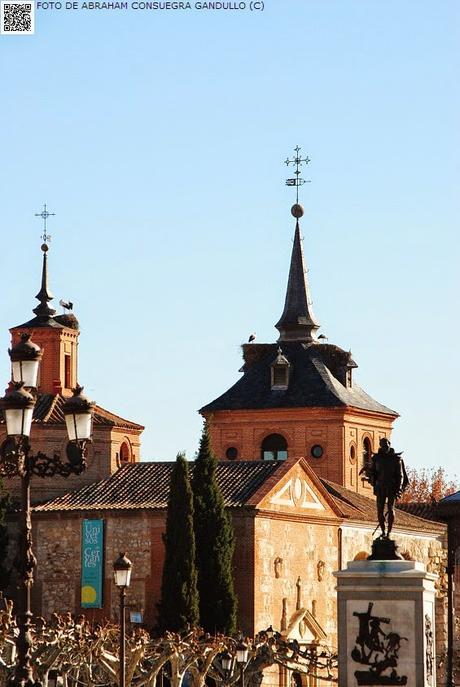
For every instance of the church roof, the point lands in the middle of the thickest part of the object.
(49, 410)
(317, 379)
(359, 507)
(146, 486)
(45, 316)
(298, 322)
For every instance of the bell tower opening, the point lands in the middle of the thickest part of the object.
(274, 447)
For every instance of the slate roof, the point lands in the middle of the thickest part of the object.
(146, 485)
(48, 410)
(298, 322)
(452, 498)
(317, 379)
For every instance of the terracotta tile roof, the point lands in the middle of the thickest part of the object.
(146, 485)
(48, 410)
(428, 511)
(316, 380)
(362, 508)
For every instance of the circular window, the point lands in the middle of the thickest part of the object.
(317, 451)
(231, 453)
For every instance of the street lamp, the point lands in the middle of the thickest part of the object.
(122, 575)
(17, 460)
(242, 653)
(226, 660)
(225, 666)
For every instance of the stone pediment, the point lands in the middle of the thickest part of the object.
(299, 491)
(305, 628)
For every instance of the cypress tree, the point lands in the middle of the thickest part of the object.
(214, 545)
(178, 607)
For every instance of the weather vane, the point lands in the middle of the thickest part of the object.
(297, 180)
(44, 214)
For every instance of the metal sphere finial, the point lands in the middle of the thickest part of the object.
(44, 247)
(297, 211)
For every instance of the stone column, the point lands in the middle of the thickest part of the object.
(386, 624)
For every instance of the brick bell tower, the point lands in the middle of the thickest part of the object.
(297, 397)
(116, 440)
(57, 336)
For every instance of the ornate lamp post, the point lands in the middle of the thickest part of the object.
(17, 460)
(122, 574)
(242, 653)
(225, 666)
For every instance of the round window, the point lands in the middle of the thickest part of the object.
(317, 451)
(231, 453)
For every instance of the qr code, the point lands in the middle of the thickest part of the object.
(17, 17)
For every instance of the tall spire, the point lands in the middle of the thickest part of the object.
(44, 295)
(298, 322)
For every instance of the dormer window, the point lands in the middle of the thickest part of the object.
(280, 372)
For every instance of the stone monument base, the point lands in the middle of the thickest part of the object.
(386, 624)
(384, 549)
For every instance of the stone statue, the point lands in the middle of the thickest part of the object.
(387, 474)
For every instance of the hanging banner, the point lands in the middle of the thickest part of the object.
(92, 549)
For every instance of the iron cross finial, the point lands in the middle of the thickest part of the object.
(44, 214)
(297, 160)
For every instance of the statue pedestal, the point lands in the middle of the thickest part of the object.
(386, 624)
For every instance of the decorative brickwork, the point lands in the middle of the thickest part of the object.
(336, 430)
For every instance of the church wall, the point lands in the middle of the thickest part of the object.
(244, 567)
(57, 546)
(58, 552)
(287, 550)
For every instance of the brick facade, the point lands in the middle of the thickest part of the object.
(340, 432)
(103, 458)
(58, 371)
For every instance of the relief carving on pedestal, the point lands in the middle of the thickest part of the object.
(429, 648)
(377, 650)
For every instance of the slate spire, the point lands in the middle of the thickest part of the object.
(44, 295)
(298, 322)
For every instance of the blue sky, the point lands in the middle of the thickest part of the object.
(158, 139)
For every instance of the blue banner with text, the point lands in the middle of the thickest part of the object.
(92, 563)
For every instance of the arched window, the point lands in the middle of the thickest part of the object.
(274, 447)
(367, 451)
(125, 453)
